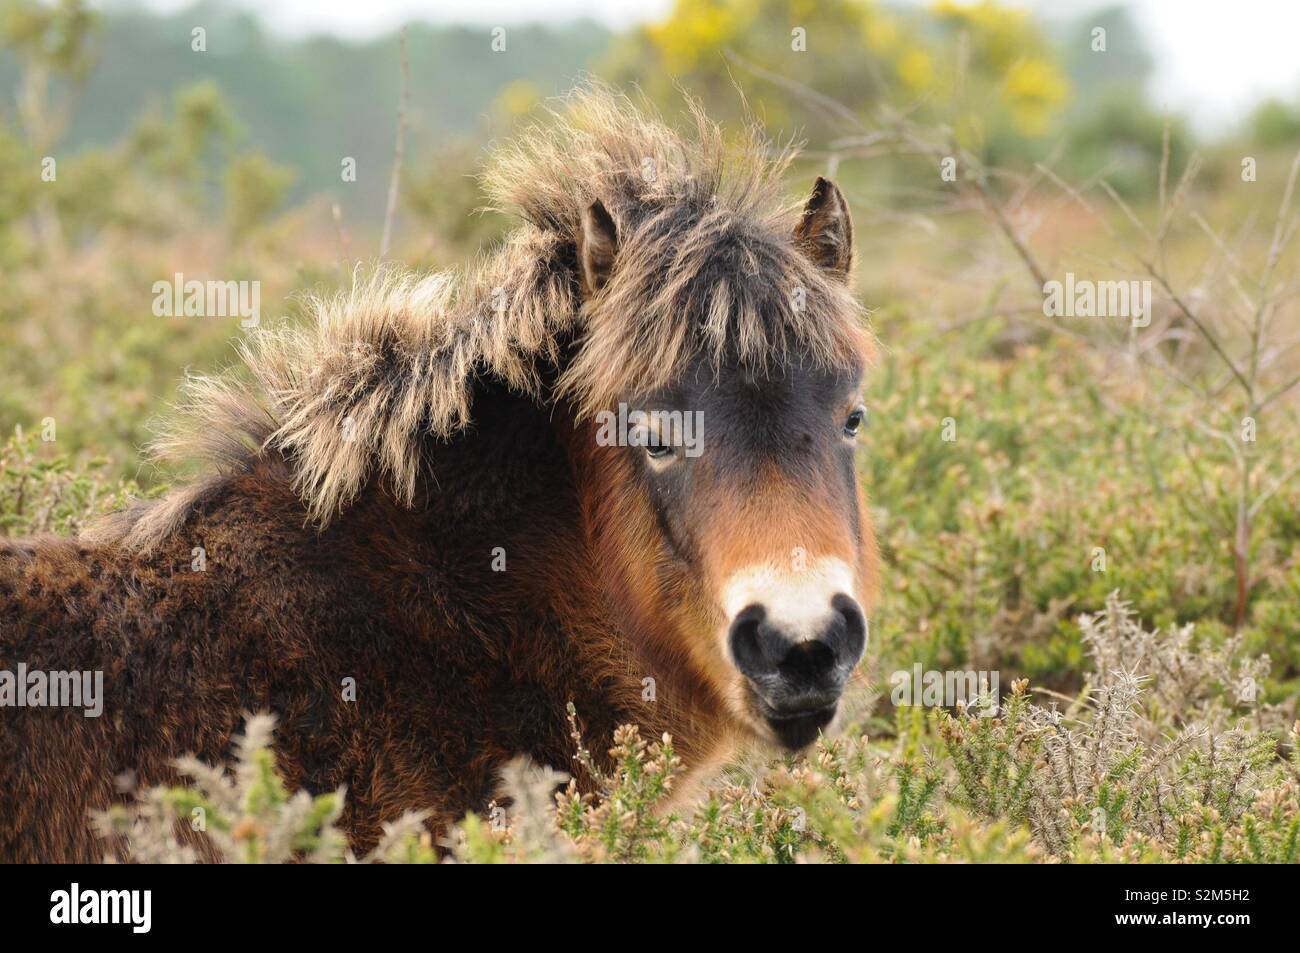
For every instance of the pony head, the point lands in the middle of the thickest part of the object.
(715, 375)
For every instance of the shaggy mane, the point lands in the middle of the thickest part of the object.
(705, 265)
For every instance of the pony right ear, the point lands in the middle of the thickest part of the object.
(597, 246)
(825, 229)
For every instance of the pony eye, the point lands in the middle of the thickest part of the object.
(854, 423)
(655, 445)
(658, 451)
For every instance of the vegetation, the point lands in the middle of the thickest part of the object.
(1103, 514)
(1135, 769)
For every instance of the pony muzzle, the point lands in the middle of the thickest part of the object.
(795, 670)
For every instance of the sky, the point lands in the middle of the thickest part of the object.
(1217, 57)
(1214, 57)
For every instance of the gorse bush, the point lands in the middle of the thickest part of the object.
(246, 815)
(1164, 766)
(1112, 777)
(42, 492)
(1052, 491)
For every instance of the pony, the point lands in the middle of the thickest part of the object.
(449, 506)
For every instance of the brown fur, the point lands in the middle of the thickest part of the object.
(358, 487)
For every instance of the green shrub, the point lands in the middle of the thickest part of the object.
(43, 492)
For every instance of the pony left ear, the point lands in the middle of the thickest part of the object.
(597, 245)
(825, 230)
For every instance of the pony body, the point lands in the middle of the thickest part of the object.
(405, 545)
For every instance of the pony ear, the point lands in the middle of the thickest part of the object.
(597, 245)
(825, 230)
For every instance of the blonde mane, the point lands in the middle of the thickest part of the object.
(705, 265)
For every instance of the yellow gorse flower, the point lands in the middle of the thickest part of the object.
(697, 28)
(1034, 89)
(915, 69)
(881, 33)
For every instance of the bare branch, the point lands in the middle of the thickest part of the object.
(399, 149)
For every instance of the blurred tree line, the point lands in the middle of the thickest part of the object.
(303, 103)
(143, 125)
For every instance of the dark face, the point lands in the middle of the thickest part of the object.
(742, 549)
(752, 485)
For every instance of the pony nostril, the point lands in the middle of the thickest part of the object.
(849, 634)
(746, 640)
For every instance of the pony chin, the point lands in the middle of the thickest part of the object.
(786, 734)
(783, 734)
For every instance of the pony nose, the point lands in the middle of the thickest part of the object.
(795, 671)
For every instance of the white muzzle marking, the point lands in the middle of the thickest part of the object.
(797, 600)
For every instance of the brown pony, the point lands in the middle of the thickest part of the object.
(612, 465)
